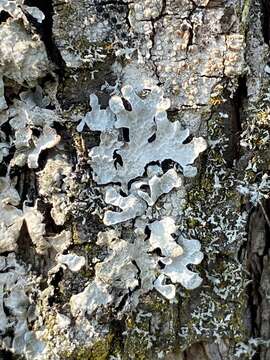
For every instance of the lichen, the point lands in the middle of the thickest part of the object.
(26, 116)
(152, 138)
(23, 55)
(131, 267)
(14, 287)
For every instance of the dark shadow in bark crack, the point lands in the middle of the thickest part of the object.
(232, 127)
(45, 31)
(266, 21)
(8, 355)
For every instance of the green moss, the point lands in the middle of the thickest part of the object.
(136, 346)
(75, 236)
(154, 303)
(88, 248)
(89, 274)
(192, 223)
(245, 13)
(99, 351)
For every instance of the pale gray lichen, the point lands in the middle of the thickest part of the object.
(131, 206)
(161, 237)
(46, 140)
(3, 103)
(63, 321)
(36, 227)
(23, 55)
(26, 115)
(4, 150)
(131, 266)
(176, 255)
(152, 137)
(256, 192)
(112, 282)
(12, 218)
(14, 285)
(176, 267)
(135, 204)
(71, 260)
(53, 182)
(158, 185)
(60, 242)
(167, 290)
(93, 296)
(17, 9)
(97, 119)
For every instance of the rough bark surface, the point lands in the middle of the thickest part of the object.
(136, 224)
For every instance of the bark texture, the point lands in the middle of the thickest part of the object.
(136, 224)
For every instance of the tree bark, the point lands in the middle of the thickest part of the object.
(75, 283)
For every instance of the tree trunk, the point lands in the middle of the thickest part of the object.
(136, 224)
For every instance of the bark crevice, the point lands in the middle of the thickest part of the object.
(45, 29)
